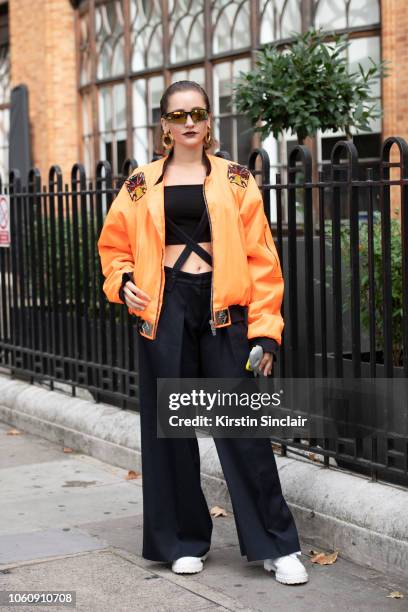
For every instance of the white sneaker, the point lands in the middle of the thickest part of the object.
(288, 569)
(188, 565)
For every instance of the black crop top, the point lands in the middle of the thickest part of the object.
(184, 205)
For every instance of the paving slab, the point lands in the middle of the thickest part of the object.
(46, 543)
(105, 582)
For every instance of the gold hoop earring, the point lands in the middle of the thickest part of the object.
(208, 137)
(165, 140)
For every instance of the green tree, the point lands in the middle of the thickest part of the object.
(306, 87)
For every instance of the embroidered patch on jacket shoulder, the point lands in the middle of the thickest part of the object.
(136, 186)
(238, 174)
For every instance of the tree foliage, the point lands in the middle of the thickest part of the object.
(306, 87)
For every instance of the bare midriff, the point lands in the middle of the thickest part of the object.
(193, 264)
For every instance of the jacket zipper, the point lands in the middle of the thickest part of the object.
(212, 320)
(160, 295)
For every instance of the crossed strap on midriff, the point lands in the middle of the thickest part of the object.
(191, 244)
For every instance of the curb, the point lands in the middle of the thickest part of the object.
(367, 522)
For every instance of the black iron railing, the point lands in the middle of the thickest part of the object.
(343, 255)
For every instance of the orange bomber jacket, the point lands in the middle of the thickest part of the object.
(246, 268)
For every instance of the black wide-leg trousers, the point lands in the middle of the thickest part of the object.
(176, 519)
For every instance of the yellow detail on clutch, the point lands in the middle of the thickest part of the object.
(248, 366)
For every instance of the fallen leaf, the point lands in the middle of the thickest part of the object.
(312, 457)
(277, 448)
(218, 511)
(132, 475)
(13, 432)
(67, 449)
(323, 558)
(396, 595)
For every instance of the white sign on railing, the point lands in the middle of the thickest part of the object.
(4, 221)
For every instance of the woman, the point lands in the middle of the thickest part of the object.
(187, 247)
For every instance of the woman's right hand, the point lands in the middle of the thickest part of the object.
(134, 296)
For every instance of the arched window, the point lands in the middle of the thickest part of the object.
(186, 19)
(109, 39)
(340, 14)
(231, 20)
(279, 19)
(146, 34)
(131, 50)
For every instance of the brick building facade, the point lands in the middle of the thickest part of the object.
(43, 56)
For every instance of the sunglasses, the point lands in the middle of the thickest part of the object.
(180, 116)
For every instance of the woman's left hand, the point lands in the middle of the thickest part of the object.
(266, 364)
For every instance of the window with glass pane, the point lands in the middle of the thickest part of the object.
(112, 125)
(234, 132)
(278, 19)
(231, 23)
(4, 109)
(84, 51)
(87, 135)
(271, 146)
(368, 143)
(146, 34)
(4, 142)
(4, 74)
(359, 52)
(339, 14)
(186, 22)
(109, 39)
(146, 116)
(194, 74)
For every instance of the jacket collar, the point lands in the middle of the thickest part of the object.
(167, 158)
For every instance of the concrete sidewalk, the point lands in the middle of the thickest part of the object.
(72, 522)
(367, 521)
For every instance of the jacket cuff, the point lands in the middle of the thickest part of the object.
(126, 276)
(269, 345)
